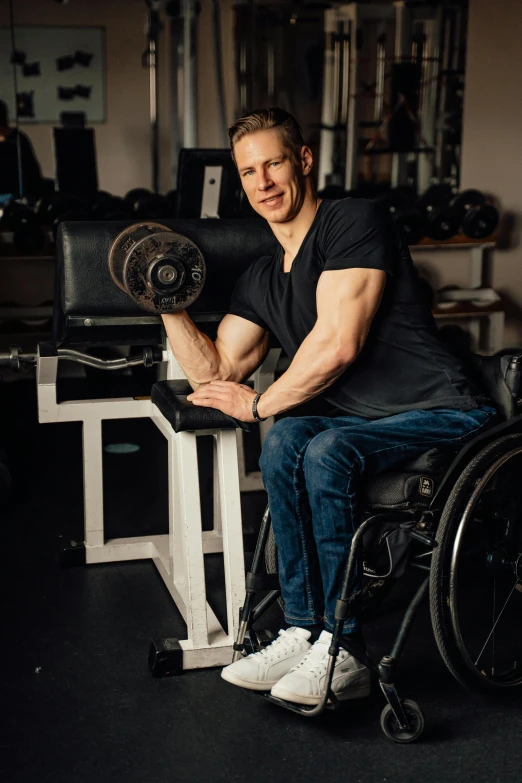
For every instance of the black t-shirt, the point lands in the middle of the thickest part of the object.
(403, 364)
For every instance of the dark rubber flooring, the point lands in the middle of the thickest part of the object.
(78, 702)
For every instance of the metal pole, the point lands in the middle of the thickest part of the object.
(402, 44)
(150, 61)
(218, 67)
(446, 65)
(428, 101)
(352, 125)
(326, 143)
(176, 84)
(17, 119)
(189, 74)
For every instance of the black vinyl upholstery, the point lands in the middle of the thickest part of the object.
(412, 484)
(171, 399)
(84, 287)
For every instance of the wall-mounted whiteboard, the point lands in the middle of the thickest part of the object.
(57, 69)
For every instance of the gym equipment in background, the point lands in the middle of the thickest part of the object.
(75, 156)
(18, 217)
(209, 185)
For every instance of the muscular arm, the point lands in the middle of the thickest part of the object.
(239, 348)
(347, 300)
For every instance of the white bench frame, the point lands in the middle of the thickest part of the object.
(178, 555)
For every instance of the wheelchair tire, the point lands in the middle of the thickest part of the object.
(391, 728)
(479, 555)
(271, 560)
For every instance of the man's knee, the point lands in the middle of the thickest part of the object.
(329, 451)
(284, 440)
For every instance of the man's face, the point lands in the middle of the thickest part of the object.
(273, 181)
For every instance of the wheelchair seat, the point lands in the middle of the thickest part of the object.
(412, 485)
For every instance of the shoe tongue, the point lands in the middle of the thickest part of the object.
(302, 632)
(325, 638)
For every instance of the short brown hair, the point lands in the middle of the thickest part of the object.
(266, 119)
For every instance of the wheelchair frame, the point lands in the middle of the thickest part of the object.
(401, 720)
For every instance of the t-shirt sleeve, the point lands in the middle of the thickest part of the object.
(241, 303)
(359, 233)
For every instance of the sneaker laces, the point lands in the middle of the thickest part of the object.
(316, 662)
(285, 642)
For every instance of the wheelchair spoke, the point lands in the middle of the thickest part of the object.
(477, 569)
(493, 629)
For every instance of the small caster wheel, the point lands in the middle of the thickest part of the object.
(415, 718)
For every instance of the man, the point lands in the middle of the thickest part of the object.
(342, 297)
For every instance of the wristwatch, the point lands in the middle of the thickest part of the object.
(254, 409)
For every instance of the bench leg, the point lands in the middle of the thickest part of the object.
(186, 536)
(93, 482)
(230, 503)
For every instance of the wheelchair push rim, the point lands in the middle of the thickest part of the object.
(479, 627)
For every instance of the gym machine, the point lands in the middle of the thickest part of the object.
(425, 49)
(113, 296)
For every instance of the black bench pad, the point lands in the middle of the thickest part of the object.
(171, 399)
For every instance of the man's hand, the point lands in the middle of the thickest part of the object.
(234, 399)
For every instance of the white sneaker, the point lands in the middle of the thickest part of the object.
(304, 684)
(261, 670)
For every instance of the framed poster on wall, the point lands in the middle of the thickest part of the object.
(56, 69)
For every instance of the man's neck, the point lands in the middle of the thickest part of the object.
(291, 234)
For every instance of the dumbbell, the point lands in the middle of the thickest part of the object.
(408, 218)
(160, 270)
(28, 235)
(477, 218)
(441, 221)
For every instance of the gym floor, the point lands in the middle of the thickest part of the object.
(79, 703)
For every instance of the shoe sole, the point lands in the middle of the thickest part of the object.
(251, 686)
(361, 692)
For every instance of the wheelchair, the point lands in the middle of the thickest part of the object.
(457, 518)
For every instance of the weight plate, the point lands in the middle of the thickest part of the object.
(435, 196)
(164, 272)
(480, 222)
(441, 224)
(411, 224)
(124, 242)
(465, 201)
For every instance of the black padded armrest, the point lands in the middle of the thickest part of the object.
(171, 399)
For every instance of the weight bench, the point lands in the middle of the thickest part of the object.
(91, 312)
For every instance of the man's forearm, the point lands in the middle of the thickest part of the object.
(195, 352)
(317, 365)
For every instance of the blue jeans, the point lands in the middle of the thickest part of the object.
(311, 467)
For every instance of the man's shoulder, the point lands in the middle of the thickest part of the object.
(353, 209)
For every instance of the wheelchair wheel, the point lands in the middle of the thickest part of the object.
(271, 560)
(476, 573)
(415, 717)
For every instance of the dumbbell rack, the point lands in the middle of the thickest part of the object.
(474, 304)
